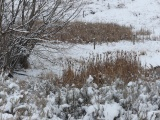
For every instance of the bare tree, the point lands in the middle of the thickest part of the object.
(23, 23)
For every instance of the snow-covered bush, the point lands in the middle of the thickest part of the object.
(41, 99)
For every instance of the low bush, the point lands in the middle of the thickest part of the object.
(43, 100)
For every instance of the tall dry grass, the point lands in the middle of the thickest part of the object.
(105, 69)
(84, 32)
(143, 32)
(80, 32)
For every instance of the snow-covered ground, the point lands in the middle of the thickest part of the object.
(147, 50)
(139, 14)
(37, 97)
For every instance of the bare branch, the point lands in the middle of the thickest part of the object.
(24, 23)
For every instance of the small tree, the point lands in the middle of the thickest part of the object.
(23, 23)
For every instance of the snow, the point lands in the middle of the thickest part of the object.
(13, 86)
(8, 107)
(88, 102)
(6, 116)
(111, 111)
(130, 84)
(152, 115)
(136, 13)
(41, 99)
(90, 79)
(147, 50)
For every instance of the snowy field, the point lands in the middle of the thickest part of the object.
(136, 13)
(37, 97)
(147, 50)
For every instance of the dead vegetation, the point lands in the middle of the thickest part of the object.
(79, 32)
(84, 32)
(105, 69)
(143, 32)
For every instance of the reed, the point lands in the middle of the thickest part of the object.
(105, 69)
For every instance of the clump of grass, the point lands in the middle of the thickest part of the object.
(143, 32)
(105, 69)
(80, 32)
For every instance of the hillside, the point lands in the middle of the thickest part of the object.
(140, 14)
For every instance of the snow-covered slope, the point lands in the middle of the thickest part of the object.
(136, 13)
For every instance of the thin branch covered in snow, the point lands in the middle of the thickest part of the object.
(24, 23)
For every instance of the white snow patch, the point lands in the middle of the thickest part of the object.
(111, 110)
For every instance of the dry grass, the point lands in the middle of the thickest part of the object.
(105, 69)
(143, 32)
(83, 32)
(79, 32)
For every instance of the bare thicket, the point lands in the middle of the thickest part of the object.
(24, 23)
